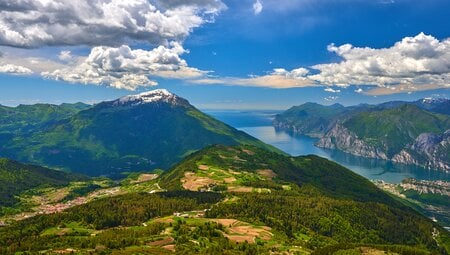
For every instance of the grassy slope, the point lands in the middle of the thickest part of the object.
(329, 201)
(108, 140)
(329, 177)
(392, 129)
(311, 118)
(16, 178)
(310, 204)
(26, 117)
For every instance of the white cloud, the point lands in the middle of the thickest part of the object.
(125, 68)
(402, 88)
(14, 69)
(65, 56)
(331, 90)
(359, 90)
(406, 66)
(413, 64)
(37, 23)
(279, 78)
(160, 24)
(257, 7)
(331, 98)
(36, 63)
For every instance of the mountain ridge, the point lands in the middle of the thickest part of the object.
(386, 131)
(139, 132)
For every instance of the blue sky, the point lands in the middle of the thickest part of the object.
(228, 54)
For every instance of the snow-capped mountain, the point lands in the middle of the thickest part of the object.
(154, 129)
(432, 100)
(149, 97)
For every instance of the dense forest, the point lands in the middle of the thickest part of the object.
(16, 178)
(122, 211)
(249, 201)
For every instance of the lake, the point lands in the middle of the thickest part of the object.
(259, 125)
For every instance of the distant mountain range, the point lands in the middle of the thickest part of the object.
(405, 132)
(151, 130)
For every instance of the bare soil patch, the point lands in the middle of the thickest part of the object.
(165, 220)
(268, 173)
(203, 167)
(194, 183)
(239, 231)
(170, 247)
(162, 242)
(229, 180)
(240, 239)
(231, 171)
(249, 152)
(240, 189)
(226, 222)
(237, 159)
(145, 178)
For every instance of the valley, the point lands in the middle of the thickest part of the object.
(243, 198)
(430, 197)
(221, 127)
(259, 125)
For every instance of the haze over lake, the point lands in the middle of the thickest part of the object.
(259, 125)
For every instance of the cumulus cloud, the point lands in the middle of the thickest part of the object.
(409, 64)
(125, 68)
(402, 88)
(331, 90)
(278, 78)
(14, 69)
(413, 64)
(210, 6)
(257, 7)
(37, 23)
(65, 56)
(359, 90)
(36, 63)
(331, 98)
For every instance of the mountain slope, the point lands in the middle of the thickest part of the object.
(16, 178)
(252, 201)
(392, 134)
(25, 117)
(397, 130)
(309, 119)
(299, 196)
(314, 119)
(140, 132)
(327, 176)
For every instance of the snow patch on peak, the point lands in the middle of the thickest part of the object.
(431, 100)
(153, 96)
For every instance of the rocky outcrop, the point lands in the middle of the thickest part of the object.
(339, 137)
(297, 129)
(405, 157)
(428, 150)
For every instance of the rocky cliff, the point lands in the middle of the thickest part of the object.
(405, 132)
(428, 150)
(339, 137)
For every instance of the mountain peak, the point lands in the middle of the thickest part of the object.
(153, 96)
(432, 100)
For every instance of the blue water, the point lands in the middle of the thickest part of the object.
(258, 124)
